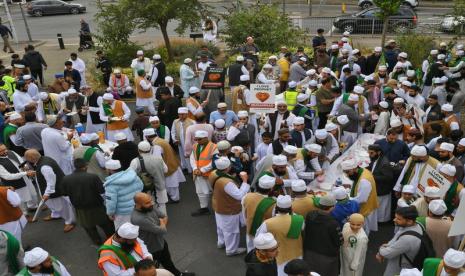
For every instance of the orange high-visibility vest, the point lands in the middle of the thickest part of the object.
(205, 156)
(110, 256)
(118, 111)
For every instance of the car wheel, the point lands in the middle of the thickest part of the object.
(348, 27)
(74, 10)
(37, 13)
(366, 5)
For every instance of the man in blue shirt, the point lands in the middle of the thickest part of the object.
(394, 149)
(223, 113)
(344, 206)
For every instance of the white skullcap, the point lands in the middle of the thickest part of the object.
(448, 169)
(433, 192)
(144, 146)
(410, 73)
(290, 149)
(326, 70)
(193, 90)
(367, 78)
(169, 79)
(109, 89)
(355, 51)
(156, 56)
(444, 79)
(222, 163)
(345, 51)
(418, 151)
(384, 104)
(378, 49)
(280, 102)
(447, 147)
(433, 52)
(221, 105)
(298, 121)
(454, 258)
(339, 193)
(187, 60)
(410, 272)
(108, 96)
(35, 257)
(279, 160)
(313, 148)
(15, 116)
(344, 39)
(266, 182)
(348, 164)
(112, 165)
(292, 84)
(220, 123)
(441, 56)
(201, 134)
(298, 185)
(303, 59)
(437, 207)
(462, 142)
(399, 100)
(342, 119)
(447, 107)
(353, 98)
(183, 110)
(459, 47)
(267, 66)
(395, 123)
(20, 66)
(408, 189)
(223, 145)
(153, 119)
(358, 89)
(334, 46)
(43, 96)
(237, 149)
(321, 134)
(346, 33)
(27, 77)
(403, 55)
(442, 44)
(240, 58)
(313, 83)
(399, 65)
(140, 53)
(437, 80)
(93, 136)
(128, 231)
(51, 119)
(148, 132)
(302, 97)
(382, 68)
(85, 138)
(72, 91)
(330, 127)
(117, 71)
(459, 53)
(284, 201)
(407, 83)
(244, 77)
(242, 114)
(311, 72)
(264, 241)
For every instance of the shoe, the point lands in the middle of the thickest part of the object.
(49, 218)
(68, 228)
(220, 245)
(187, 274)
(200, 212)
(239, 251)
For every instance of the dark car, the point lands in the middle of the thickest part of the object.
(366, 21)
(47, 7)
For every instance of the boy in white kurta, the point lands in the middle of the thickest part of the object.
(355, 246)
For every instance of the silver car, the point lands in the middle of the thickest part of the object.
(365, 4)
(450, 23)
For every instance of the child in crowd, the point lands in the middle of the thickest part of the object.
(220, 132)
(263, 146)
(355, 246)
(407, 196)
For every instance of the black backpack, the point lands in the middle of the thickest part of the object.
(426, 249)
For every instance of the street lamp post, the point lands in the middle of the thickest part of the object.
(8, 15)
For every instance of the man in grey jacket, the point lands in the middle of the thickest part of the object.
(152, 227)
(297, 71)
(349, 109)
(399, 245)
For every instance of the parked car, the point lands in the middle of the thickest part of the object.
(452, 23)
(48, 7)
(366, 21)
(365, 4)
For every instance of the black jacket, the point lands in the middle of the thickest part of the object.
(322, 234)
(125, 152)
(257, 268)
(297, 137)
(161, 67)
(168, 111)
(177, 91)
(34, 60)
(4, 30)
(84, 190)
(384, 177)
(371, 63)
(234, 73)
(278, 148)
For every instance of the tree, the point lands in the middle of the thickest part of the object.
(157, 14)
(459, 13)
(387, 9)
(265, 23)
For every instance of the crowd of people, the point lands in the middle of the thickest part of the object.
(86, 158)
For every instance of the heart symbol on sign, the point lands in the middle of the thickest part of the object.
(432, 183)
(262, 96)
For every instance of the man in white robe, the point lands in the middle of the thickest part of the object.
(80, 66)
(21, 98)
(14, 227)
(141, 62)
(179, 139)
(32, 88)
(188, 77)
(109, 100)
(56, 145)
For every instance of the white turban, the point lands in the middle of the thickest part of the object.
(418, 151)
(120, 136)
(410, 73)
(447, 147)
(279, 160)
(454, 258)
(339, 193)
(144, 146)
(290, 149)
(298, 121)
(223, 145)
(448, 169)
(84, 138)
(112, 165)
(240, 58)
(153, 119)
(242, 114)
(302, 97)
(222, 163)
(311, 72)
(313, 83)
(326, 70)
(298, 186)
(313, 148)
(353, 98)
(16, 116)
(432, 192)
(237, 149)
(221, 105)
(183, 110)
(407, 83)
(437, 207)
(193, 90)
(342, 119)
(219, 123)
(35, 257)
(267, 66)
(128, 231)
(409, 189)
(395, 123)
(330, 127)
(264, 241)
(187, 60)
(94, 136)
(156, 57)
(43, 96)
(108, 96)
(403, 55)
(348, 164)
(384, 104)
(72, 91)
(140, 53)
(292, 84)
(410, 272)
(462, 142)
(399, 100)
(284, 201)
(334, 46)
(266, 182)
(447, 107)
(433, 52)
(148, 132)
(321, 134)
(169, 79)
(201, 134)
(378, 49)
(441, 56)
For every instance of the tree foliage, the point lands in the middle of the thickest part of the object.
(417, 46)
(265, 23)
(459, 14)
(387, 9)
